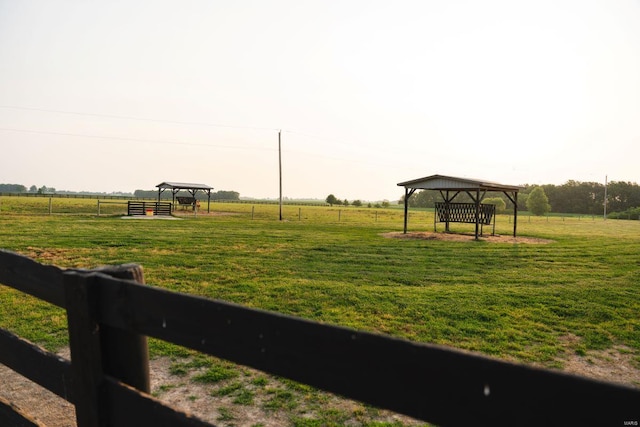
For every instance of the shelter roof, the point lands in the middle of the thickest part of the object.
(441, 182)
(183, 186)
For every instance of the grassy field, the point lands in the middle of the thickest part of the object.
(533, 303)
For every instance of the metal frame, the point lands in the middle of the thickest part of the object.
(447, 184)
(175, 187)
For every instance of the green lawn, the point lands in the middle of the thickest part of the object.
(531, 303)
(507, 300)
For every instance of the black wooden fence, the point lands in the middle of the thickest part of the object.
(110, 317)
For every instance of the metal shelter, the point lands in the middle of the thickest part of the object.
(449, 187)
(175, 187)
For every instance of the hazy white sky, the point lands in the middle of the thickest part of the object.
(122, 95)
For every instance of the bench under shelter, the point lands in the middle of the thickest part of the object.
(450, 187)
(193, 189)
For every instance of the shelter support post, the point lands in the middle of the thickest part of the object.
(515, 214)
(407, 193)
(514, 200)
(435, 216)
(477, 212)
(476, 200)
(447, 200)
(174, 191)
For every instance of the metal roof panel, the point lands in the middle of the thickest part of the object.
(183, 185)
(442, 182)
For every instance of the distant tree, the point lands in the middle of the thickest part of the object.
(421, 199)
(537, 202)
(223, 195)
(357, 203)
(46, 190)
(345, 202)
(151, 194)
(501, 206)
(33, 189)
(385, 204)
(622, 196)
(12, 188)
(332, 200)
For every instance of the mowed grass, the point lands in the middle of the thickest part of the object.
(512, 301)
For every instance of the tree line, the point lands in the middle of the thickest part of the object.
(573, 197)
(19, 188)
(333, 200)
(143, 194)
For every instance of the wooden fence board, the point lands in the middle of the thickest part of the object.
(436, 384)
(31, 277)
(40, 366)
(12, 416)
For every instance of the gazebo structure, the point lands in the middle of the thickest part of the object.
(175, 187)
(449, 187)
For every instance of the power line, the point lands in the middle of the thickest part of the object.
(123, 117)
(119, 138)
(113, 116)
(153, 141)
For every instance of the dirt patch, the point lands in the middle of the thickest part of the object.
(255, 399)
(150, 217)
(191, 214)
(617, 364)
(47, 256)
(457, 237)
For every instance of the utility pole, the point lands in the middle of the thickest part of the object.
(280, 168)
(605, 196)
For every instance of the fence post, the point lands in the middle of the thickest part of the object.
(97, 350)
(84, 341)
(50, 206)
(125, 355)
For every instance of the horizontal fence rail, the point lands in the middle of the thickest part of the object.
(433, 383)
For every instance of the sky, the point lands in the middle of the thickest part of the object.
(364, 94)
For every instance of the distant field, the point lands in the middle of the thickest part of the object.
(531, 303)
